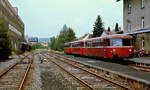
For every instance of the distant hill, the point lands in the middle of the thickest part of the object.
(44, 40)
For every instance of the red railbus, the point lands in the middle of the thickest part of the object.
(111, 46)
(76, 47)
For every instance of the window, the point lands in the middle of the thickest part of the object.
(67, 45)
(129, 8)
(78, 44)
(142, 4)
(115, 42)
(142, 22)
(127, 42)
(129, 26)
(97, 43)
(88, 44)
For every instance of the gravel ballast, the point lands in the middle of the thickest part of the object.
(47, 77)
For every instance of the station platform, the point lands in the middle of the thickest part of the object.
(145, 60)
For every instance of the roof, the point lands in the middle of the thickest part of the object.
(139, 31)
(81, 39)
(118, 36)
(75, 41)
(114, 36)
(86, 36)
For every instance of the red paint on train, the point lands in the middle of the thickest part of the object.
(112, 46)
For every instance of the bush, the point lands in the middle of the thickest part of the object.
(5, 44)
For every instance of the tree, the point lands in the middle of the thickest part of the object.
(70, 35)
(66, 35)
(98, 27)
(5, 42)
(117, 28)
(52, 43)
(64, 27)
(108, 29)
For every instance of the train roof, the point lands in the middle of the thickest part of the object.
(114, 36)
(75, 41)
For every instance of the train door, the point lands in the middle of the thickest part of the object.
(105, 47)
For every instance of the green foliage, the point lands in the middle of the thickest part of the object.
(117, 28)
(98, 27)
(5, 42)
(66, 35)
(38, 46)
(53, 43)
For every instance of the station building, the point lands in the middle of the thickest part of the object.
(10, 21)
(136, 21)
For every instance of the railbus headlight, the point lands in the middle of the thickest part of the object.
(114, 50)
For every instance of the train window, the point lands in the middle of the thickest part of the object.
(101, 43)
(82, 44)
(97, 43)
(67, 45)
(127, 42)
(88, 44)
(115, 42)
(78, 44)
(74, 45)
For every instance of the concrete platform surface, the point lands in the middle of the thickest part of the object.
(141, 60)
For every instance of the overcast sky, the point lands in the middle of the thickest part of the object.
(45, 18)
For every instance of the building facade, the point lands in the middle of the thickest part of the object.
(136, 22)
(136, 15)
(13, 24)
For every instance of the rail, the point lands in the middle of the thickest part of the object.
(25, 73)
(141, 67)
(134, 83)
(89, 73)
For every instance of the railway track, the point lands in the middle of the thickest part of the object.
(86, 78)
(127, 81)
(141, 66)
(14, 77)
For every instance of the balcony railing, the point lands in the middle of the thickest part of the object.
(10, 12)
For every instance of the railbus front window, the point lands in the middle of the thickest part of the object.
(116, 42)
